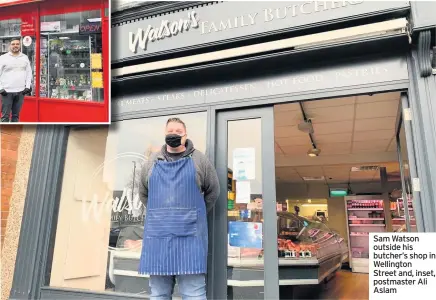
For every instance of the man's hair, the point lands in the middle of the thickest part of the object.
(176, 120)
(15, 39)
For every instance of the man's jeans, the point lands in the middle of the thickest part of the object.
(192, 287)
(12, 101)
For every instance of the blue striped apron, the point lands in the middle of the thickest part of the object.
(175, 232)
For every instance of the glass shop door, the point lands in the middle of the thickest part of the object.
(244, 260)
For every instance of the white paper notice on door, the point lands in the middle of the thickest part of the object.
(243, 192)
(244, 164)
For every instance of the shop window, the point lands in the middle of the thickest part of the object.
(71, 56)
(100, 220)
(12, 29)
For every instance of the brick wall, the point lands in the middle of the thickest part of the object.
(10, 139)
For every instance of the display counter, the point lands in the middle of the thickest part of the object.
(308, 253)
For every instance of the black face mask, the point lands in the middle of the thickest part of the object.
(173, 140)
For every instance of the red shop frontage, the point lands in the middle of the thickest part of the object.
(67, 43)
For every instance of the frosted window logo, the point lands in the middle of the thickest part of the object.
(166, 29)
(98, 201)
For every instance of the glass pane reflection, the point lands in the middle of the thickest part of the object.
(245, 210)
(100, 228)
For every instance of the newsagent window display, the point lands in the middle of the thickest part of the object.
(100, 207)
(12, 29)
(71, 56)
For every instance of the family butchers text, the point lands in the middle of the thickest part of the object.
(192, 21)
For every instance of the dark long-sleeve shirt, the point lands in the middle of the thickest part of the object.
(207, 179)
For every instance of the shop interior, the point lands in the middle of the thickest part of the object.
(68, 56)
(338, 178)
(337, 163)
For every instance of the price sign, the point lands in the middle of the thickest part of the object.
(97, 80)
(96, 61)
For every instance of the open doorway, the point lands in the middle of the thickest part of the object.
(337, 165)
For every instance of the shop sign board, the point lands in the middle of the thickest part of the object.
(54, 26)
(27, 26)
(327, 78)
(233, 21)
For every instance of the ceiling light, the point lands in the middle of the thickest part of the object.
(309, 200)
(338, 192)
(365, 168)
(94, 20)
(314, 178)
(64, 38)
(306, 127)
(314, 152)
(314, 205)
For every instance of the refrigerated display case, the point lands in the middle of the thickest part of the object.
(364, 214)
(308, 253)
(398, 215)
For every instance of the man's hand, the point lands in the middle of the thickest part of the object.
(3, 92)
(26, 91)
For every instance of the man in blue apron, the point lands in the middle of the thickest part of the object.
(178, 186)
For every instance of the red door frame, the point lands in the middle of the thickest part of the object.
(49, 110)
(106, 59)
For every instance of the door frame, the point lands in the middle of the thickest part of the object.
(404, 119)
(218, 275)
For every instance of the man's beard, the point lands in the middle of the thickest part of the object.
(15, 50)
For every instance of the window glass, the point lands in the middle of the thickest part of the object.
(244, 207)
(12, 29)
(71, 56)
(8, 29)
(99, 230)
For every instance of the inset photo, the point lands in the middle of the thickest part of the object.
(54, 62)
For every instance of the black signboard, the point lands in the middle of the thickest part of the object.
(90, 27)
